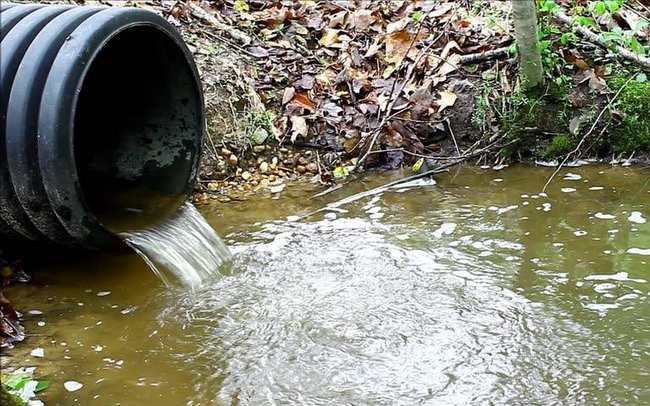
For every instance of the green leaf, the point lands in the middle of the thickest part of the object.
(636, 46)
(417, 16)
(586, 21)
(417, 165)
(42, 385)
(473, 68)
(241, 6)
(601, 8)
(613, 5)
(340, 172)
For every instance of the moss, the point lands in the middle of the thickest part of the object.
(527, 118)
(633, 104)
(560, 145)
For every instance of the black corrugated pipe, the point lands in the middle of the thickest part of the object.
(102, 122)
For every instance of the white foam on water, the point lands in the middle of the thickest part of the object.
(185, 246)
(637, 217)
(639, 251)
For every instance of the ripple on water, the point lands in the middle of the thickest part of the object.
(380, 324)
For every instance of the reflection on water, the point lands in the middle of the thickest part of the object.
(479, 290)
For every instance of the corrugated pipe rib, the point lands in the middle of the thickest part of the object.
(101, 122)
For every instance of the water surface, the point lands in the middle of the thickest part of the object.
(476, 290)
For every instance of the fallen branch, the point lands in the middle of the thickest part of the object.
(598, 40)
(484, 56)
(584, 137)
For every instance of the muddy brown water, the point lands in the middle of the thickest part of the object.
(476, 290)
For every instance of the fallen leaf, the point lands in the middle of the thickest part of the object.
(447, 99)
(301, 99)
(258, 52)
(440, 10)
(330, 37)
(451, 64)
(306, 82)
(288, 94)
(362, 19)
(298, 127)
(398, 25)
(397, 46)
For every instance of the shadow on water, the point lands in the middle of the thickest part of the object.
(479, 290)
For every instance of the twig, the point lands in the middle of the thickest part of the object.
(584, 137)
(439, 169)
(595, 38)
(453, 137)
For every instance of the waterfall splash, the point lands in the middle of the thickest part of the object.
(184, 246)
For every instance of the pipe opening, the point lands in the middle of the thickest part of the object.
(138, 129)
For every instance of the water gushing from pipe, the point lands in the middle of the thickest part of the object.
(184, 246)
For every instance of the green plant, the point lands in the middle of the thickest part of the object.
(482, 114)
(20, 386)
(633, 105)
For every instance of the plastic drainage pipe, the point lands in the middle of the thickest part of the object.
(101, 122)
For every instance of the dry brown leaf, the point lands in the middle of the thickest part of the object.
(330, 37)
(397, 46)
(447, 99)
(373, 48)
(302, 99)
(441, 10)
(362, 19)
(447, 49)
(306, 82)
(450, 65)
(338, 19)
(398, 25)
(288, 94)
(298, 127)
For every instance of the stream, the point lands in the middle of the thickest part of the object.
(471, 290)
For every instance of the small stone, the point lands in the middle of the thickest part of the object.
(301, 169)
(282, 174)
(264, 167)
(312, 167)
(272, 178)
(225, 152)
(258, 149)
(283, 149)
(264, 183)
(302, 161)
(232, 160)
(274, 160)
(276, 188)
(213, 187)
(246, 175)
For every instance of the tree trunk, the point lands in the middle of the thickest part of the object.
(530, 60)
